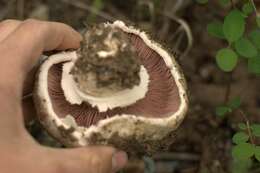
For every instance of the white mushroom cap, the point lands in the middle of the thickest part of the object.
(137, 119)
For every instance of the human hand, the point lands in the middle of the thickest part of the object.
(21, 43)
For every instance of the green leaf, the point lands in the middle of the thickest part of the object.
(243, 151)
(256, 129)
(202, 1)
(258, 21)
(248, 8)
(255, 38)
(245, 48)
(97, 5)
(234, 103)
(241, 166)
(226, 59)
(254, 65)
(222, 110)
(234, 26)
(240, 137)
(242, 126)
(216, 29)
(257, 153)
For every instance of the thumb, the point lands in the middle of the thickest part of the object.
(93, 159)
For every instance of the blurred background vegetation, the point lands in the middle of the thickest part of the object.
(204, 141)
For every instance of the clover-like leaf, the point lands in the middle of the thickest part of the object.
(254, 36)
(245, 48)
(243, 151)
(256, 129)
(216, 29)
(240, 137)
(257, 153)
(234, 103)
(242, 126)
(226, 59)
(248, 8)
(222, 110)
(234, 26)
(254, 65)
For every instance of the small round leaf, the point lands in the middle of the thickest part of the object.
(240, 137)
(257, 153)
(243, 151)
(242, 126)
(258, 21)
(222, 111)
(254, 65)
(234, 103)
(255, 38)
(245, 48)
(256, 129)
(226, 59)
(234, 26)
(216, 29)
(248, 8)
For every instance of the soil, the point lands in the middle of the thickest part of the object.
(203, 143)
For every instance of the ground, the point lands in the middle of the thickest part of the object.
(203, 143)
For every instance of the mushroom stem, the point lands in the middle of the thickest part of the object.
(107, 62)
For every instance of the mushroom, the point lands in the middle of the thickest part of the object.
(120, 88)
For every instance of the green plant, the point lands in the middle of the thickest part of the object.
(97, 6)
(241, 46)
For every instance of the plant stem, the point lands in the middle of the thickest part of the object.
(233, 4)
(253, 3)
(252, 140)
(228, 88)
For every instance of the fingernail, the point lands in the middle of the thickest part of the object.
(119, 160)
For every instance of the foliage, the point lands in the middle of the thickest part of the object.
(241, 46)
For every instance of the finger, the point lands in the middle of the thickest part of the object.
(23, 47)
(7, 27)
(95, 159)
(32, 37)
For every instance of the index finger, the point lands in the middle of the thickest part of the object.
(21, 49)
(24, 46)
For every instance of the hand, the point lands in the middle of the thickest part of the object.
(21, 43)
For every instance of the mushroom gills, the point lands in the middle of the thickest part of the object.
(158, 93)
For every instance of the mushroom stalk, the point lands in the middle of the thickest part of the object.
(107, 72)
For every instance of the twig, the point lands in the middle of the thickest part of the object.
(253, 3)
(252, 140)
(186, 28)
(228, 89)
(233, 4)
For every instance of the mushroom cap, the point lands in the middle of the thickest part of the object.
(142, 126)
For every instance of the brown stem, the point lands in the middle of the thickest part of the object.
(228, 89)
(253, 3)
(252, 140)
(233, 4)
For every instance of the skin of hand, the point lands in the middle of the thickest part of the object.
(21, 44)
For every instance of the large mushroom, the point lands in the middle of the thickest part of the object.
(121, 89)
